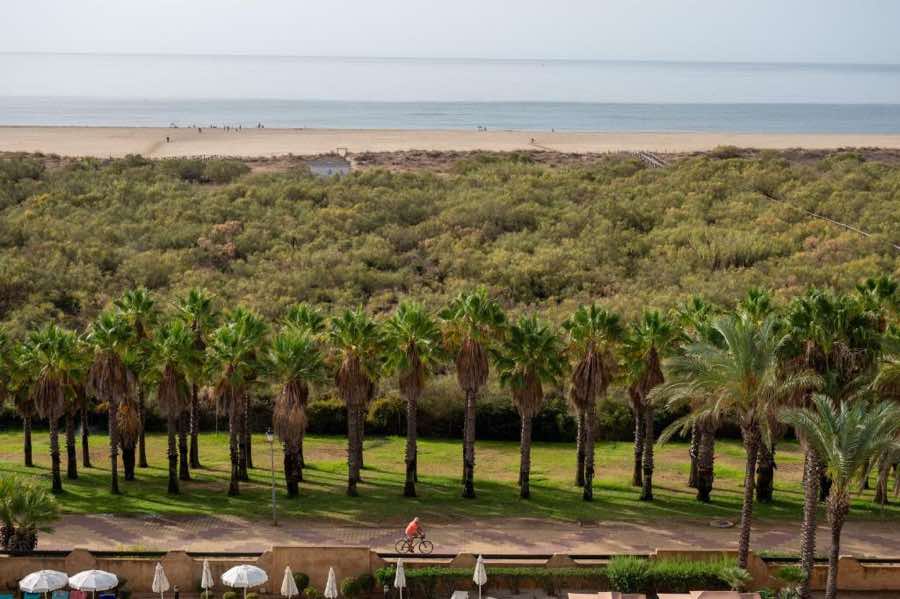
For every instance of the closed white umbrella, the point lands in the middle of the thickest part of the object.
(207, 581)
(400, 577)
(289, 585)
(480, 576)
(44, 581)
(93, 580)
(331, 591)
(160, 582)
(245, 577)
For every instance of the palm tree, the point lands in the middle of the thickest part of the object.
(836, 337)
(648, 341)
(414, 349)
(172, 355)
(25, 510)
(197, 312)
(887, 385)
(740, 379)
(294, 362)
(233, 355)
(593, 334)
(528, 358)
(305, 318)
(108, 378)
(139, 309)
(52, 356)
(472, 323)
(14, 384)
(847, 436)
(357, 345)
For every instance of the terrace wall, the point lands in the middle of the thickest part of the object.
(184, 569)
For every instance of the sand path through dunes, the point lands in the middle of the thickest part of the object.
(151, 142)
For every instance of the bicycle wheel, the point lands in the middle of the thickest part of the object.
(403, 546)
(426, 546)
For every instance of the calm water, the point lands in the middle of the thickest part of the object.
(53, 89)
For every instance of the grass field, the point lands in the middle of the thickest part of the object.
(380, 502)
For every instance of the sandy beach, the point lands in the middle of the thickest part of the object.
(151, 142)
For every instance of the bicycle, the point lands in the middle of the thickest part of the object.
(418, 542)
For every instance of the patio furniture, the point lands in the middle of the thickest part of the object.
(460, 595)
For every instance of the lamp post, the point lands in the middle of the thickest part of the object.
(270, 438)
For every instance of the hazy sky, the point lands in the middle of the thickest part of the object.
(716, 30)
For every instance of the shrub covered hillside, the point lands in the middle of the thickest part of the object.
(74, 234)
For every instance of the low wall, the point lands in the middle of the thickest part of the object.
(184, 570)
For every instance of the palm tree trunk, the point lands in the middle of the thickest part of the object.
(647, 486)
(824, 486)
(54, 455)
(242, 440)
(71, 451)
(579, 450)
(837, 514)
(525, 459)
(694, 452)
(765, 474)
(638, 443)
(128, 461)
(112, 413)
(811, 479)
(409, 489)
(881, 487)
(751, 445)
(352, 453)
(26, 426)
(184, 471)
(896, 480)
(291, 467)
(85, 439)
(469, 447)
(195, 428)
(706, 456)
(142, 442)
(171, 429)
(361, 432)
(587, 493)
(234, 451)
(301, 463)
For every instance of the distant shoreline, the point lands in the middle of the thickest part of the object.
(251, 143)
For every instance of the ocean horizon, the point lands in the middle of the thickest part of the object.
(410, 93)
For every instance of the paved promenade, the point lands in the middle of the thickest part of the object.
(226, 533)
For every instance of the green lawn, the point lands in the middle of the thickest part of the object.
(381, 502)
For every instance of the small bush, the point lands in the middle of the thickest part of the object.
(327, 417)
(312, 593)
(252, 596)
(229, 595)
(635, 575)
(301, 580)
(628, 574)
(357, 586)
(224, 171)
(387, 416)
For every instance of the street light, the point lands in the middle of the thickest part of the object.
(270, 438)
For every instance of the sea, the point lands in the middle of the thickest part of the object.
(429, 93)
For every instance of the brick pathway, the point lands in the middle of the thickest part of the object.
(228, 533)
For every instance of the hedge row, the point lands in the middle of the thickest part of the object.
(623, 574)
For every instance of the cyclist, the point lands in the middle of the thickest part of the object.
(413, 530)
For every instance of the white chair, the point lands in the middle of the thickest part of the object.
(460, 595)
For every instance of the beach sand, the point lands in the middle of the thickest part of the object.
(151, 142)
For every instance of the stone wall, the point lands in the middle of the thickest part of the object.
(184, 570)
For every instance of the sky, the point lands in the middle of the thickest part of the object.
(830, 31)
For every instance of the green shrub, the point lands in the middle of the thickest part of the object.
(628, 574)
(357, 586)
(327, 417)
(224, 171)
(229, 595)
(387, 415)
(301, 580)
(312, 593)
(252, 596)
(636, 575)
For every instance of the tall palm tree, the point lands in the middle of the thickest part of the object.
(413, 346)
(649, 340)
(139, 309)
(172, 355)
(14, 385)
(52, 357)
(307, 319)
(472, 324)
(233, 361)
(848, 437)
(357, 353)
(196, 310)
(108, 378)
(887, 386)
(295, 361)
(529, 358)
(836, 337)
(592, 336)
(740, 379)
